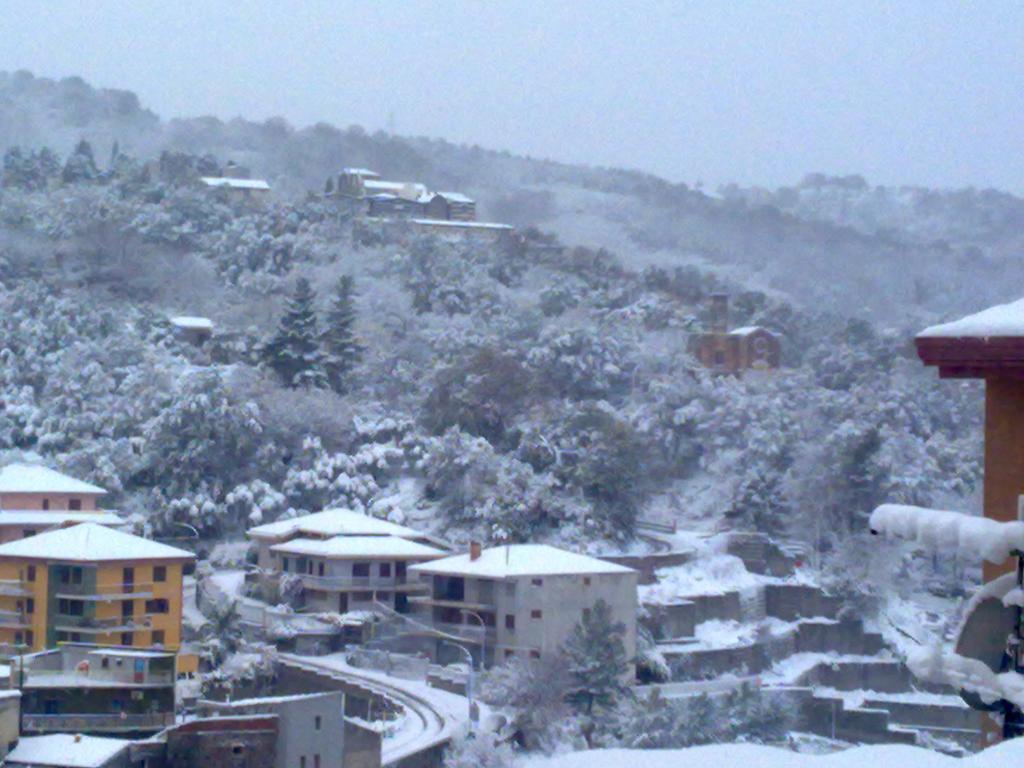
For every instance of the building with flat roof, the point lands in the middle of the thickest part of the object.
(520, 599)
(70, 750)
(91, 583)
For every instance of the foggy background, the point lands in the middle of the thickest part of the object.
(928, 93)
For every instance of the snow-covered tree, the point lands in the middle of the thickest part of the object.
(596, 659)
(294, 351)
(342, 351)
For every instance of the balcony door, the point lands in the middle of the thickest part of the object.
(128, 580)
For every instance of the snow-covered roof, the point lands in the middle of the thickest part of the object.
(69, 750)
(270, 700)
(222, 181)
(395, 186)
(365, 172)
(521, 560)
(370, 547)
(462, 224)
(35, 517)
(35, 478)
(999, 321)
(90, 542)
(746, 330)
(130, 653)
(192, 323)
(456, 197)
(333, 522)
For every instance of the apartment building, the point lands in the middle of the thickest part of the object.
(520, 599)
(90, 583)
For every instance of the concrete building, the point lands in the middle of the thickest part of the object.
(93, 583)
(310, 727)
(10, 721)
(66, 750)
(89, 689)
(450, 206)
(223, 742)
(237, 190)
(752, 347)
(521, 599)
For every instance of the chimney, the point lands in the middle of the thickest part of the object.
(720, 313)
(474, 550)
(78, 738)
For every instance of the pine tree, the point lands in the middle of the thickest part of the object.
(294, 352)
(596, 658)
(80, 165)
(342, 351)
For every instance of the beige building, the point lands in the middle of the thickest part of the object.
(521, 599)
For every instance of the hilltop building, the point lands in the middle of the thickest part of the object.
(237, 184)
(521, 599)
(346, 560)
(401, 199)
(91, 583)
(192, 330)
(723, 351)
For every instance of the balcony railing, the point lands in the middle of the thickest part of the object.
(123, 675)
(472, 633)
(106, 592)
(359, 582)
(152, 721)
(15, 588)
(15, 619)
(92, 625)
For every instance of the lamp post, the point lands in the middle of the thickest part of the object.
(469, 679)
(483, 636)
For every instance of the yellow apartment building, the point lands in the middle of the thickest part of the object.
(89, 583)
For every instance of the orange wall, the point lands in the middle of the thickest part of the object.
(1004, 455)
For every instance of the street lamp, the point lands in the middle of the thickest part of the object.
(469, 679)
(483, 636)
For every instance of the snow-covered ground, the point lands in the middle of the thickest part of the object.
(1004, 755)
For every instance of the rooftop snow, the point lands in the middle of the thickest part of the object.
(392, 185)
(361, 172)
(332, 522)
(90, 542)
(456, 197)
(35, 478)
(270, 700)
(66, 750)
(999, 321)
(521, 560)
(462, 224)
(220, 181)
(192, 323)
(746, 330)
(343, 547)
(971, 536)
(35, 517)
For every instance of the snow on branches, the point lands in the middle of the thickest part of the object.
(934, 529)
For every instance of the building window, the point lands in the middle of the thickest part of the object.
(509, 653)
(510, 622)
(361, 570)
(27, 532)
(105, 662)
(319, 569)
(75, 505)
(534, 654)
(316, 761)
(535, 614)
(70, 607)
(237, 749)
(30, 605)
(127, 638)
(127, 609)
(159, 605)
(719, 357)
(31, 573)
(363, 597)
(159, 573)
(30, 638)
(284, 564)
(18, 638)
(385, 570)
(586, 581)
(46, 504)
(302, 761)
(158, 637)
(537, 582)
(383, 597)
(510, 588)
(316, 722)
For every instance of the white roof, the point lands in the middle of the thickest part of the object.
(35, 517)
(463, 224)
(366, 172)
(66, 749)
(333, 522)
(1001, 320)
(131, 653)
(196, 323)
(456, 197)
(521, 560)
(221, 181)
(344, 547)
(90, 542)
(389, 185)
(35, 478)
(746, 330)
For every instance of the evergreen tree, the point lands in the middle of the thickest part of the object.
(342, 351)
(294, 352)
(80, 165)
(596, 658)
(16, 173)
(48, 165)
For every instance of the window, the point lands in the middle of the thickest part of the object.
(510, 588)
(76, 575)
(62, 637)
(719, 357)
(30, 605)
(27, 532)
(284, 564)
(534, 654)
(75, 505)
(127, 609)
(105, 663)
(18, 638)
(535, 614)
(586, 581)
(385, 570)
(127, 638)
(316, 761)
(383, 597)
(76, 637)
(509, 653)
(362, 596)
(46, 504)
(316, 722)
(159, 573)
(586, 614)
(237, 749)
(537, 582)
(159, 605)
(320, 569)
(30, 637)
(158, 637)
(361, 570)
(31, 573)
(70, 607)
(510, 622)
(302, 761)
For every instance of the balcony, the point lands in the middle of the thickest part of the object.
(92, 626)
(105, 593)
(15, 620)
(470, 633)
(446, 601)
(96, 676)
(15, 588)
(151, 721)
(360, 583)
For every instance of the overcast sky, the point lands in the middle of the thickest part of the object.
(924, 92)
